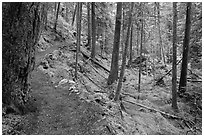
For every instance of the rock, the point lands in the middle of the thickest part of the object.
(71, 82)
(63, 81)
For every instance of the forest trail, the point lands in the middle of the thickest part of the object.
(90, 109)
(59, 111)
(60, 94)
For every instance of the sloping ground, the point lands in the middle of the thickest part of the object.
(60, 111)
(85, 106)
(92, 88)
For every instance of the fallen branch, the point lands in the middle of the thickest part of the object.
(194, 80)
(133, 70)
(126, 94)
(194, 74)
(168, 71)
(93, 81)
(85, 54)
(155, 110)
(163, 113)
(97, 71)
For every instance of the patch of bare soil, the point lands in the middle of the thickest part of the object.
(60, 111)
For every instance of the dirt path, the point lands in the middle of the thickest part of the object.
(60, 112)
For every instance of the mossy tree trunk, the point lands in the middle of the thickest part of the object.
(21, 25)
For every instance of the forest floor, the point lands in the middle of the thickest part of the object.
(85, 106)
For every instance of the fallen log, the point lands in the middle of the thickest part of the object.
(97, 71)
(85, 54)
(194, 80)
(161, 112)
(155, 110)
(93, 81)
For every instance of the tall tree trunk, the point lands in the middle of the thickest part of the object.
(160, 39)
(58, 7)
(74, 14)
(67, 12)
(118, 90)
(138, 33)
(93, 52)
(174, 69)
(89, 24)
(20, 33)
(130, 57)
(141, 44)
(123, 30)
(115, 53)
(184, 67)
(103, 40)
(55, 7)
(44, 14)
(78, 19)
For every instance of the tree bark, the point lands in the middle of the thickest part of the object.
(44, 14)
(55, 7)
(174, 69)
(89, 24)
(184, 67)
(74, 14)
(138, 33)
(58, 7)
(160, 39)
(93, 52)
(123, 30)
(21, 32)
(67, 12)
(115, 53)
(141, 44)
(79, 14)
(130, 57)
(118, 90)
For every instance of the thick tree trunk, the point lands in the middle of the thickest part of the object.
(118, 90)
(58, 7)
(184, 67)
(93, 52)
(174, 69)
(89, 23)
(115, 53)
(79, 14)
(21, 24)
